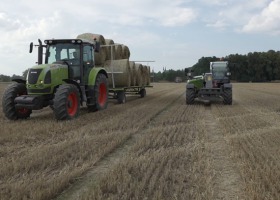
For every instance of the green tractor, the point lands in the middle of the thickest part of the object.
(66, 80)
(210, 86)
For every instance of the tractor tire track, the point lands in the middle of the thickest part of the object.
(227, 182)
(106, 163)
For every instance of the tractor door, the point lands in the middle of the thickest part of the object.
(88, 61)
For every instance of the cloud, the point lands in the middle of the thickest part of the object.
(267, 21)
(230, 14)
(177, 17)
(7, 24)
(139, 13)
(220, 24)
(215, 2)
(15, 32)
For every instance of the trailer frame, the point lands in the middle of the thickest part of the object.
(119, 93)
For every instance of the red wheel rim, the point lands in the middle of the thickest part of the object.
(72, 104)
(102, 94)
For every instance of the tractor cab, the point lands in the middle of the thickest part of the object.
(220, 73)
(76, 54)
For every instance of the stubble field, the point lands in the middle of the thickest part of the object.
(155, 147)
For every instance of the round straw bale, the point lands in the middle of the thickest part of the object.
(145, 75)
(110, 50)
(100, 57)
(119, 71)
(149, 75)
(125, 52)
(133, 73)
(118, 51)
(91, 37)
(139, 72)
(109, 41)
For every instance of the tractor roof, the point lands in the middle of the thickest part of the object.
(74, 41)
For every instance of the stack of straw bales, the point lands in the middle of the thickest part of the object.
(120, 70)
(115, 59)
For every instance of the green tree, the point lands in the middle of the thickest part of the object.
(4, 78)
(24, 74)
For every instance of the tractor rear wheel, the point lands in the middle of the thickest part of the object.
(100, 93)
(8, 104)
(66, 102)
(190, 96)
(227, 96)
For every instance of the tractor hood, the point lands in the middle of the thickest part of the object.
(197, 81)
(43, 78)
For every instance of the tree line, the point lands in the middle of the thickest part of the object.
(168, 75)
(5, 78)
(254, 67)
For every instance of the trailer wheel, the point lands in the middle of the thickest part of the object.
(121, 97)
(66, 103)
(8, 105)
(190, 96)
(100, 94)
(142, 93)
(227, 96)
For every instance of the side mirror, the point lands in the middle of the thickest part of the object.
(188, 71)
(31, 47)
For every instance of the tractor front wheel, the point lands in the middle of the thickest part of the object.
(190, 96)
(8, 104)
(66, 103)
(227, 96)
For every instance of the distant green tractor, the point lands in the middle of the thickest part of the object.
(66, 80)
(210, 86)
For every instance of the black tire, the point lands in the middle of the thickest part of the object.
(121, 97)
(227, 96)
(100, 94)
(8, 106)
(142, 93)
(66, 102)
(190, 96)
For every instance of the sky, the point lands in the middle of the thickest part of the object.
(175, 34)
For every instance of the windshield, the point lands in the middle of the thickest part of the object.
(63, 51)
(219, 70)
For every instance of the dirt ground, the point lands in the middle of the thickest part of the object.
(155, 147)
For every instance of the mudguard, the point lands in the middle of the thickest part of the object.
(93, 74)
(19, 81)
